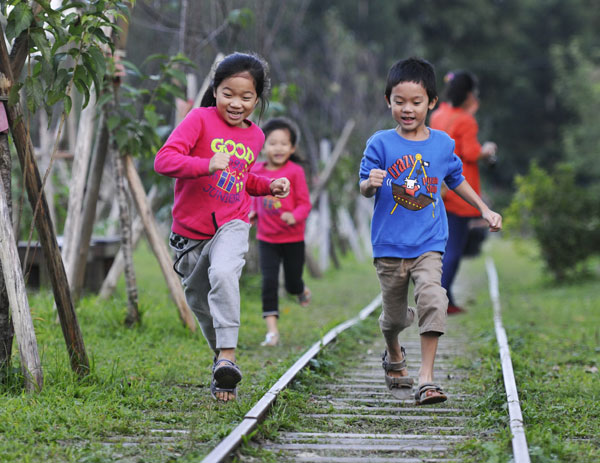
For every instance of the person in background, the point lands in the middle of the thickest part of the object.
(456, 117)
(281, 222)
(403, 168)
(210, 154)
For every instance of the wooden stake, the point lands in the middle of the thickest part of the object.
(159, 247)
(35, 194)
(332, 161)
(118, 266)
(17, 297)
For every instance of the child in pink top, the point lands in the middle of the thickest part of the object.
(210, 155)
(281, 223)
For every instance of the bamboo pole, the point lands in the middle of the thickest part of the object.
(37, 199)
(158, 246)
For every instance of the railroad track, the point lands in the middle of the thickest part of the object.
(356, 420)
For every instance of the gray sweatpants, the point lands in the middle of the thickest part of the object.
(211, 276)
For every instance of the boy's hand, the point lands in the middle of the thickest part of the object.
(368, 187)
(288, 218)
(376, 177)
(488, 150)
(494, 220)
(280, 187)
(219, 161)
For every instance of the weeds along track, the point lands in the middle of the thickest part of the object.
(355, 419)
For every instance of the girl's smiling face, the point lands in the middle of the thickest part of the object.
(409, 104)
(236, 99)
(278, 148)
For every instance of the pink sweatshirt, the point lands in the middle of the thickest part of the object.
(205, 201)
(270, 227)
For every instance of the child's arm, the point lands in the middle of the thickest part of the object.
(301, 200)
(466, 192)
(368, 187)
(174, 159)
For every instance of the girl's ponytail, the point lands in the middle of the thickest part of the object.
(208, 99)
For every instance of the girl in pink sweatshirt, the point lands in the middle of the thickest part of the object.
(210, 154)
(281, 223)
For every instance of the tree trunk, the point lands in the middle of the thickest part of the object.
(17, 296)
(47, 237)
(133, 314)
(158, 245)
(6, 326)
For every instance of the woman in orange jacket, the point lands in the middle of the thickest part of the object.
(456, 117)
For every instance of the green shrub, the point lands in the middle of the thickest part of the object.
(563, 217)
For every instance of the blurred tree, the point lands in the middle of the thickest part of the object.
(578, 86)
(336, 55)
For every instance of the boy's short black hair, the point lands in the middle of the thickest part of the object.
(284, 123)
(413, 69)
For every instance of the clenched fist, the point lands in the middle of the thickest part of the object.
(219, 161)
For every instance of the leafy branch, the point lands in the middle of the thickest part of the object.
(68, 46)
(133, 120)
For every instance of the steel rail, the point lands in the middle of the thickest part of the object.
(519, 441)
(258, 411)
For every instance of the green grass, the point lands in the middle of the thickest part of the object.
(554, 337)
(156, 376)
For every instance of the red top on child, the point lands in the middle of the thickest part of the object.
(270, 227)
(204, 201)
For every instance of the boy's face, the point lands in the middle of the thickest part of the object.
(409, 104)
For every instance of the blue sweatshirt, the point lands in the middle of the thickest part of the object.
(409, 218)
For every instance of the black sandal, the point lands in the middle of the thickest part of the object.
(226, 376)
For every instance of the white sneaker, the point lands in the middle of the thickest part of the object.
(271, 339)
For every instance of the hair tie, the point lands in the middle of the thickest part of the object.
(448, 77)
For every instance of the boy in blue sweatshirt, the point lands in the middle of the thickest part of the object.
(404, 169)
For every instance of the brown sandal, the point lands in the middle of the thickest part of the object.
(393, 383)
(429, 393)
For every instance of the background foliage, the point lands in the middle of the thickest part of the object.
(540, 78)
(537, 76)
